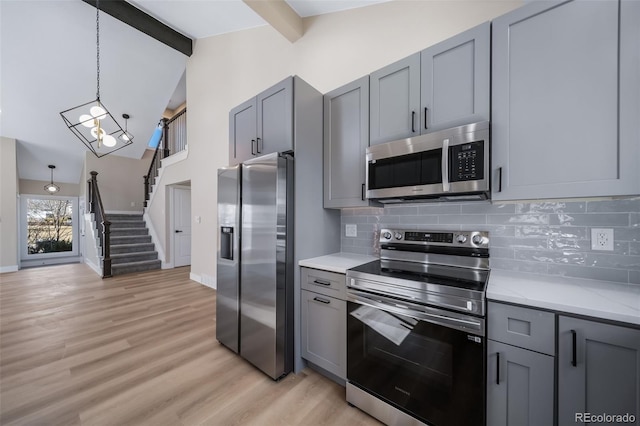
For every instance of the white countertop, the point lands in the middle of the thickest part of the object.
(606, 300)
(337, 262)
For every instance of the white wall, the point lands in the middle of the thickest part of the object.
(8, 206)
(120, 180)
(337, 48)
(27, 186)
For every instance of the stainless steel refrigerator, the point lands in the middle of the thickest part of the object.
(255, 281)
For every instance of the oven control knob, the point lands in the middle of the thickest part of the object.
(479, 239)
(398, 236)
(461, 239)
(387, 235)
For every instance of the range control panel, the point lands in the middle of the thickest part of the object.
(473, 239)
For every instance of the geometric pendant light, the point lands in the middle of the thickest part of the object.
(91, 122)
(51, 188)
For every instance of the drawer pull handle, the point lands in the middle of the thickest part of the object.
(325, 283)
(321, 300)
(574, 342)
(497, 368)
(413, 121)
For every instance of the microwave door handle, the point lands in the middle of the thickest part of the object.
(445, 165)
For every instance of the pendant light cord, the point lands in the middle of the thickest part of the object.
(98, 49)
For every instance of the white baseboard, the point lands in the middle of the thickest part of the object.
(167, 265)
(205, 280)
(5, 269)
(96, 268)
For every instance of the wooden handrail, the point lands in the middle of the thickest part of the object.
(104, 234)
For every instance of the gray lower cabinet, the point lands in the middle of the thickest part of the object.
(598, 371)
(346, 138)
(519, 386)
(324, 332)
(395, 101)
(455, 78)
(564, 107)
(263, 124)
(520, 366)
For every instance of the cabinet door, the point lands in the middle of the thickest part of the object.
(563, 82)
(600, 372)
(395, 101)
(454, 80)
(324, 332)
(346, 137)
(519, 386)
(242, 132)
(275, 118)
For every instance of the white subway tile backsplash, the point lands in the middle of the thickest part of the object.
(547, 237)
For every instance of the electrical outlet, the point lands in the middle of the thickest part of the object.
(602, 239)
(351, 230)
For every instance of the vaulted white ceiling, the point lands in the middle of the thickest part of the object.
(48, 64)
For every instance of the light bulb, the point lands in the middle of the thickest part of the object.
(86, 120)
(125, 137)
(109, 140)
(94, 133)
(98, 112)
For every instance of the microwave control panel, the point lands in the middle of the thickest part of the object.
(467, 161)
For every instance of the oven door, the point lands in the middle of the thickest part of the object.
(420, 362)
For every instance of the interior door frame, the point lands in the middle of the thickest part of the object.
(172, 236)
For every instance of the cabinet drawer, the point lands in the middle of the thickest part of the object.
(523, 327)
(324, 282)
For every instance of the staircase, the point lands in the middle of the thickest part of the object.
(131, 246)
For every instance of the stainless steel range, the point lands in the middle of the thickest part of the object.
(416, 329)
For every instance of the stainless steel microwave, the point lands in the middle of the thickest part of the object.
(451, 164)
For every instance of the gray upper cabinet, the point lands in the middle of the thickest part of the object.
(346, 138)
(565, 84)
(263, 124)
(395, 101)
(242, 131)
(455, 80)
(598, 370)
(275, 118)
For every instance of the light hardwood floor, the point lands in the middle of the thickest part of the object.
(138, 349)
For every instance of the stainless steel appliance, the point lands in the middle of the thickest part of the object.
(416, 329)
(254, 313)
(450, 164)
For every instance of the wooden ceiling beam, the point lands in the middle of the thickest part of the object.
(280, 16)
(134, 17)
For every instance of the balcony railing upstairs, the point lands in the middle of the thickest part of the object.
(173, 141)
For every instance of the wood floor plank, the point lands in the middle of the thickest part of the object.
(138, 349)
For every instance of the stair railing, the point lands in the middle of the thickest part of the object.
(174, 140)
(104, 227)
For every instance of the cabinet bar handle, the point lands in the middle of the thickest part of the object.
(362, 192)
(258, 146)
(574, 342)
(425, 118)
(321, 300)
(413, 121)
(497, 368)
(253, 152)
(322, 282)
(499, 179)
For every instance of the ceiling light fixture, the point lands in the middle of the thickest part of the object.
(126, 136)
(91, 122)
(51, 187)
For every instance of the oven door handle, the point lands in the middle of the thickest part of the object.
(390, 305)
